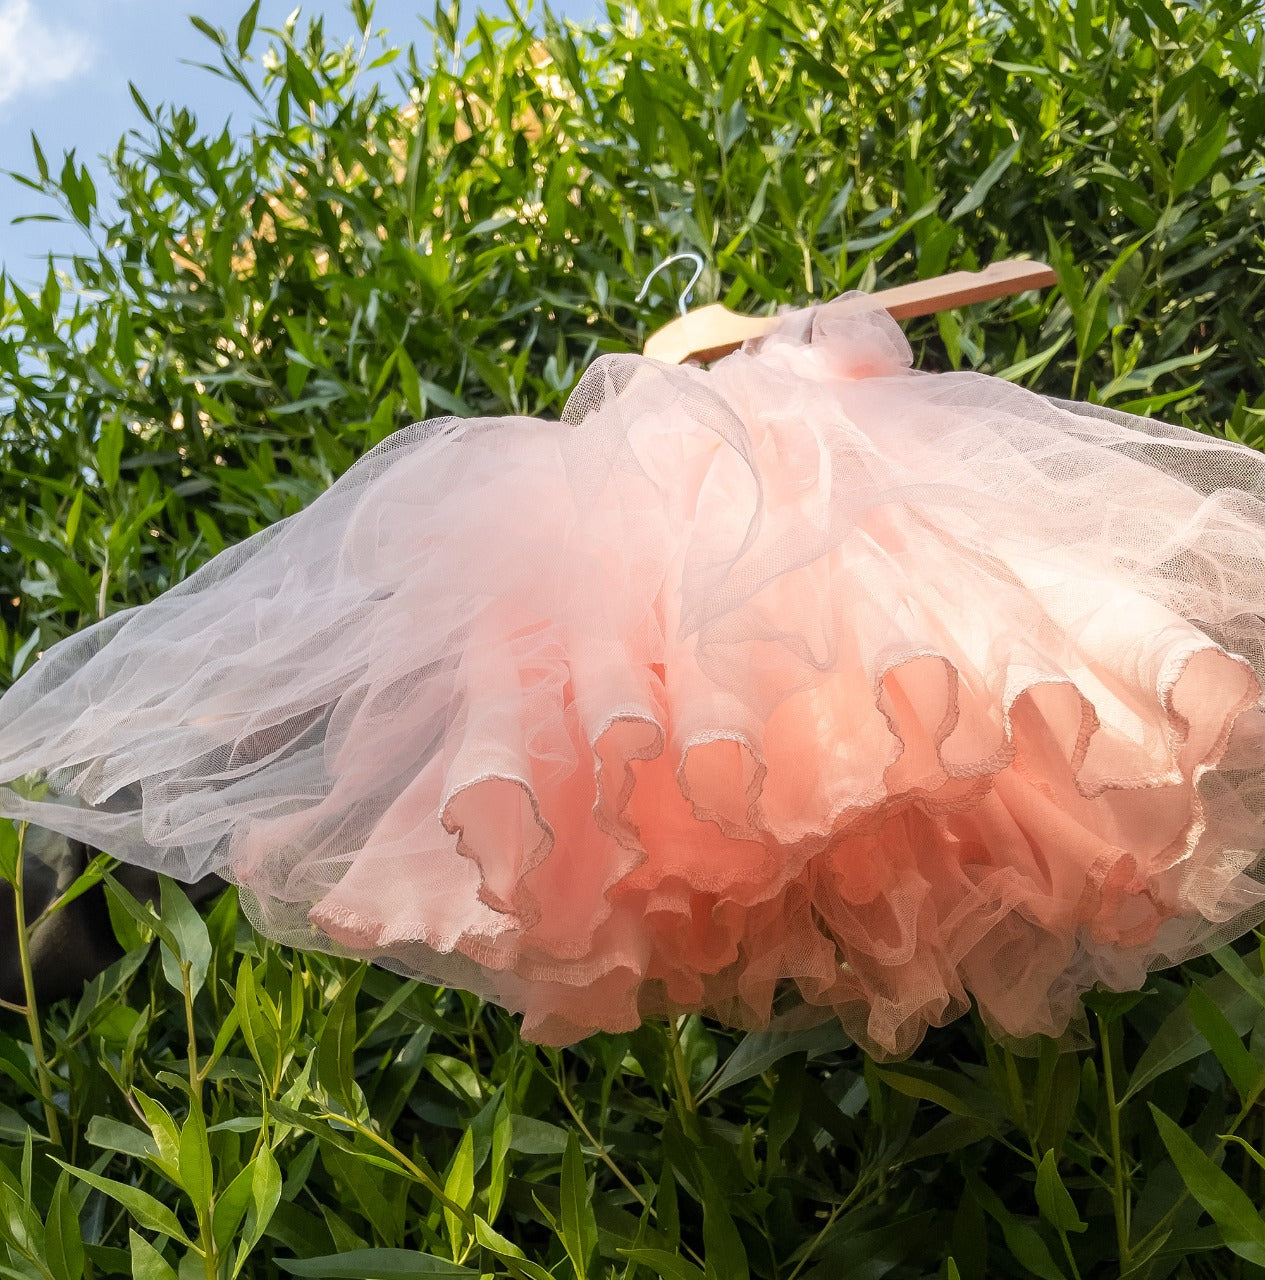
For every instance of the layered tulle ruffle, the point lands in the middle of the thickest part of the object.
(803, 679)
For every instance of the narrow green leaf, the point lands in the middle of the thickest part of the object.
(1237, 969)
(166, 1134)
(265, 1195)
(214, 34)
(459, 1187)
(189, 932)
(1242, 1227)
(668, 1265)
(149, 1212)
(41, 162)
(335, 1070)
(376, 1264)
(757, 1051)
(147, 1262)
(502, 1136)
(578, 1224)
(1030, 1251)
(492, 1240)
(985, 182)
(1178, 1040)
(63, 1240)
(10, 846)
(1246, 1147)
(72, 518)
(230, 1207)
(114, 1135)
(110, 450)
(246, 28)
(724, 1254)
(1236, 1061)
(196, 1175)
(1053, 1198)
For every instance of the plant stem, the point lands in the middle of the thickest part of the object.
(845, 1203)
(606, 1159)
(1119, 1201)
(195, 1079)
(463, 1213)
(1071, 1257)
(42, 1072)
(684, 1097)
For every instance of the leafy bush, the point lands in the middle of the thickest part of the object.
(261, 310)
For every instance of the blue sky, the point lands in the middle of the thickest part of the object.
(64, 72)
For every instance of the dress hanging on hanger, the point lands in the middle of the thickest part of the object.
(806, 678)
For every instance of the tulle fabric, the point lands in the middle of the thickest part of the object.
(803, 679)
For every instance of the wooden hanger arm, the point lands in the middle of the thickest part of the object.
(961, 288)
(714, 331)
(705, 334)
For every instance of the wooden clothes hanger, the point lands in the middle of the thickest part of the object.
(714, 331)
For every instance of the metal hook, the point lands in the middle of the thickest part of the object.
(683, 301)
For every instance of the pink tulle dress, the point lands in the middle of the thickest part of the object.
(805, 679)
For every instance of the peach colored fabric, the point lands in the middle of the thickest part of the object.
(804, 680)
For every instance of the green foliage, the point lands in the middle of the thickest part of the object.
(260, 310)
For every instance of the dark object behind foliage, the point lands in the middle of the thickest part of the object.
(74, 944)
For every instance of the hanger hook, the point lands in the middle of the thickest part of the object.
(683, 301)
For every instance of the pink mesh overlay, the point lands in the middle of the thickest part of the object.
(804, 677)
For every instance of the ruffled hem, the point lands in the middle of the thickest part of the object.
(805, 679)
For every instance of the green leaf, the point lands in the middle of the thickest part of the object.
(759, 1050)
(534, 1137)
(335, 1067)
(150, 1213)
(194, 1158)
(579, 1226)
(1237, 969)
(1242, 1227)
(724, 1254)
(141, 912)
(41, 163)
(110, 450)
(214, 34)
(63, 1240)
(89, 878)
(260, 1023)
(985, 182)
(189, 933)
(1029, 1250)
(502, 1136)
(1196, 160)
(668, 1265)
(147, 1262)
(950, 1090)
(10, 850)
(114, 1135)
(246, 28)
(1178, 1040)
(265, 1195)
(77, 186)
(492, 1240)
(376, 1264)
(1053, 1199)
(73, 517)
(1242, 1069)
(1246, 1147)
(230, 1207)
(459, 1188)
(166, 1134)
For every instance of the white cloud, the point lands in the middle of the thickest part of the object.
(34, 54)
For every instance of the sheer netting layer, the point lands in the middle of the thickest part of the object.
(807, 677)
